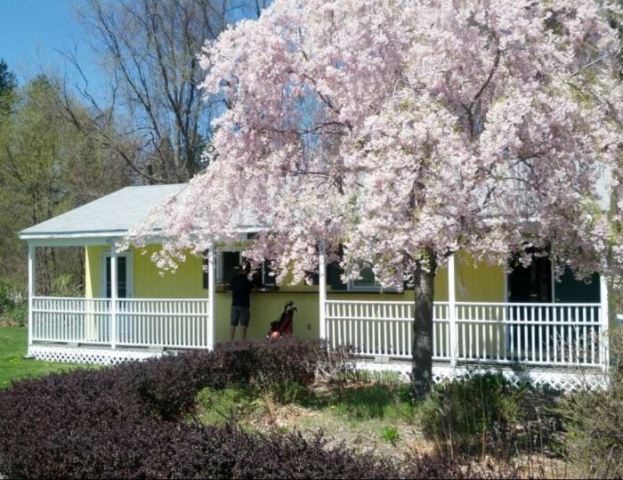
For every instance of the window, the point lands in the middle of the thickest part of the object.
(367, 282)
(227, 265)
(265, 275)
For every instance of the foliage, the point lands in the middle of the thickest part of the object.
(443, 466)
(8, 85)
(390, 434)
(438, 126)
(377, 400)
(13, 306)
(593, 422)
(485, 414)
(64, 285)
(46, 167)
(127, 421)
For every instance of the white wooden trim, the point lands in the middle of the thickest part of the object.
(32, 252)
(70, 242)
(452, 333)
(113, 296)
(605, 321)
(322, 291)
(212, 293)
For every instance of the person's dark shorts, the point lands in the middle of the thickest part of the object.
(239, 315)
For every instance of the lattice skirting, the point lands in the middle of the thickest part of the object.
(559, 379)
(567, 380)
(98, 356)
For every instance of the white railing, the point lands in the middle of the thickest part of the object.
(175, 323)
(383, 328)
(71, 320)
(181, 323)
(534, 334)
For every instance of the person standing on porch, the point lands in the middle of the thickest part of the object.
(240, 287)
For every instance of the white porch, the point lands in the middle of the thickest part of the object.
(466, 333)
(565, 337)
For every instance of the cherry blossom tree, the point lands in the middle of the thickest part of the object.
(404, 131)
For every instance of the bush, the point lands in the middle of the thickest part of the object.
(441, 466)
(594, 422)
(109, 422)
(487, 414)
(13, 307)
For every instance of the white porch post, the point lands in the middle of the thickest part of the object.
(604, 351)
(113, 296)
(452, 327)
(322, 290)
(31, 288)
(212, 292)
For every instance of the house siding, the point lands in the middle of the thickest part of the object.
(475, 282)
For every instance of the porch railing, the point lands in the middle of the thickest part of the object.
(560, 334)
(177, 323)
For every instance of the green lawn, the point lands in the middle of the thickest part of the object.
(13, 342)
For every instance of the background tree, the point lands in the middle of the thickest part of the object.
(408, 131)
(47, 167)
(149, 50)
(8, 84)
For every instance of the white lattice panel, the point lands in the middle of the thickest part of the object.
(87, 355)
(567, 381)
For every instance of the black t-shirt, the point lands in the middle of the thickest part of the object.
(240, 287)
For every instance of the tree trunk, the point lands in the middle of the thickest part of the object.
(422, 347)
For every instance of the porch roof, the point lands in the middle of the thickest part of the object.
(109, 216)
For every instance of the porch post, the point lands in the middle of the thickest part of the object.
(322, 290)
(212, 292)
(113, 295)
(31, 288)
(452, 330)
(604, 351)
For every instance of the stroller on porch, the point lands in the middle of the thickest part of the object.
(284, 326)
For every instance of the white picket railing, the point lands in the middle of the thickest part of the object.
(71, 320)
(178, 323)
(181, 323)
(536, 334)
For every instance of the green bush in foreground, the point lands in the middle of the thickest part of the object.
(594, 422)
(487, 414)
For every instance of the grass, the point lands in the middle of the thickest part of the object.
(13, 366)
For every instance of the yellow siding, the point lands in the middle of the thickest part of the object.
(185, 282)
(477, 281)
(474, 282)
(93, 272)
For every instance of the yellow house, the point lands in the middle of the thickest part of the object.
(483, 315)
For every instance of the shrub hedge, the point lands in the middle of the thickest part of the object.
(135, 421)
(102, 423)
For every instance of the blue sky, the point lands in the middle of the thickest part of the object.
(33, 31)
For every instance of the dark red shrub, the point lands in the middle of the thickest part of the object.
(125, 421)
